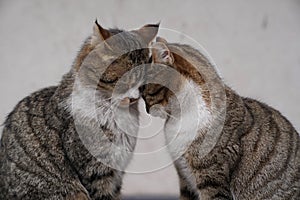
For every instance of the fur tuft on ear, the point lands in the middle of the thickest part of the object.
(99, 33)
(148, 32)
(162, 40)
(161, 53)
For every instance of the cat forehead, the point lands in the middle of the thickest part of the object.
(126, 40)
(117, 47)
(159, 46)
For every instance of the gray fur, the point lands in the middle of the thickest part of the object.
(257, 155)
(41, 153)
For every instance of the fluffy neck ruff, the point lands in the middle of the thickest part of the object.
(192, 119)
(186, 107)
(107, 130)
(89, 107)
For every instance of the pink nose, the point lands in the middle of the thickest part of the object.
(125, 101)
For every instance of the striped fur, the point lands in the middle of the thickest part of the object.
(257, 155)
(41, 153)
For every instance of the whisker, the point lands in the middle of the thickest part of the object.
(171, 116)
(168, 114)
(104, 99)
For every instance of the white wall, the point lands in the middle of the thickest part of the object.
(256, 45)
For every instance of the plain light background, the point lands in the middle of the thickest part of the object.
(256, 45)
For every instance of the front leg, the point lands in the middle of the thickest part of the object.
(213, 186)
(101, 181)
(78, 196)
(186, 193)
(212, 178)
(214, 193)
(188, 190)
(208, 188)
(104, 183)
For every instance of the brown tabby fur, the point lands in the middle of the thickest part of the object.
(41, 154)
(257, 155)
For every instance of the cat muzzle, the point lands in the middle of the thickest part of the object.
(158, 110)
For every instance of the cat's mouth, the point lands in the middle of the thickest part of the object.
(128, 101)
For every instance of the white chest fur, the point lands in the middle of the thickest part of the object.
(194, 115)
(91, 112)
(180, 132)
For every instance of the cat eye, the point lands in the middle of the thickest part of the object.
(156, 92)
(108, 81)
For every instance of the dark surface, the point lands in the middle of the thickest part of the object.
(150, 198)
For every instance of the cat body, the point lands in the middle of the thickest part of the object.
(257, 154)
(58, 143)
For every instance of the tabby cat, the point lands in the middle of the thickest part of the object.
(257, 154)
(42, 153)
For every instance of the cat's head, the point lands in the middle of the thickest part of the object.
(109, 54)
(174, 66)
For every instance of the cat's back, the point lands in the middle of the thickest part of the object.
(29, 151)
(270, 163)
(26, 111)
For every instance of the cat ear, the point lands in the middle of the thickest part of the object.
(161, 53)
(148, 32)
(100, 34)
(162, 40)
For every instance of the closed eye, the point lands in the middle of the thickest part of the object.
(156, 92)
(108, 81)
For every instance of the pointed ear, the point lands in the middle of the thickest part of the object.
(161, 54)
(148, 32)
(99, 33)
(162, 40)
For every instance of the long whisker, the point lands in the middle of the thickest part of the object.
(171, 116)
(168, 114)
(106, 99)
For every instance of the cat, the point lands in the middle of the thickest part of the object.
(46, 150)
(257, 154)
